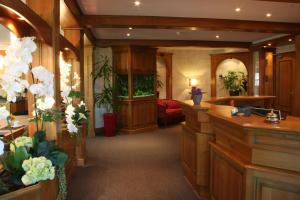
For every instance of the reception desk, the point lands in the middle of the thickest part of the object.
(240, 158)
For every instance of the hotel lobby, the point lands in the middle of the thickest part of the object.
(149, 99)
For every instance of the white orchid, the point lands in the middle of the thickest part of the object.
(76, 79)
(4, 114)
(70, 112)
(1, 147)
(45, 104)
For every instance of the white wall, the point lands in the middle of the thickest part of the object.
(99, 84)
(223, 68)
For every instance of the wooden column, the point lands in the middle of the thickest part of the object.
(48, 56)
(167, 57)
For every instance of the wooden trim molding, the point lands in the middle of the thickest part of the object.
(40, 25)
(216, 59)
(171, 43)
(119, 21)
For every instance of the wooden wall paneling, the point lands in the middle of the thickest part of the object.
(285, 81)
(216, 59)
(296, 107)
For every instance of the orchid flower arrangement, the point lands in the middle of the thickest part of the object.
(30, 159)
(75, 114)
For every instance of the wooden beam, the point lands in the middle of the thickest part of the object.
(284, 40)
(171, 43)
(282, 1)
(117, 21)
(76, 11)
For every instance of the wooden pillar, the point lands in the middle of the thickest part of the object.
(48, 56)
(88, 84)
(167, 58)
(296, 99)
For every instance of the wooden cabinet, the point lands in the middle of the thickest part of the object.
(136, 113)
(195, 150)
(251, 160)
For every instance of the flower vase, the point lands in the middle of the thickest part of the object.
(197, 99)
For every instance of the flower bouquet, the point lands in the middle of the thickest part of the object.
(28, 160)
(196, 95)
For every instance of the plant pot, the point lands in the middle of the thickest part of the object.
(197, 99)
(46, 190)
(234, 93)
(110, 122)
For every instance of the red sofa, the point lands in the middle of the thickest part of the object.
(169, 111)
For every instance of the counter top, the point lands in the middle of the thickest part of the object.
(290, 124)
(240, 98)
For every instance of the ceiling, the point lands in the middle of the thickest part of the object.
(215, 9)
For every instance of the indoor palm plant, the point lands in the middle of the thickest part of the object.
(29, 160)
(105, 98)
(234, 82)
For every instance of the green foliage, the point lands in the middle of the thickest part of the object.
(76, 94)
(143, 85)
(122, 85)
(105, 71)
(235, 81)
(81, 115)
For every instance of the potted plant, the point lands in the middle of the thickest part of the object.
(25, 161)
(234, 82)
(196, 95)
(106, 96)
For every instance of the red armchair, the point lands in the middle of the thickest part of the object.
(169, 112)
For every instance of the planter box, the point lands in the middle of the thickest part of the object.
(45, 190)
(81, 154)
(68, 144)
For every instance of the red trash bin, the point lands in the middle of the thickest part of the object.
(110, 122)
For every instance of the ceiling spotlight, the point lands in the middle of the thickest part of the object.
(130, 28)
(137, 3)
(237, 9)
(290, 39)
(269, 44)
(66, 48)
(265, 46)
(268, 15)
(128, 34)
(177, 33)
(193, 28)
(217, 36)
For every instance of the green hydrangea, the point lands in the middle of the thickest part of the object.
(37, 169)
(22, 141)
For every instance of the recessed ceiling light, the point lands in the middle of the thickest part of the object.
(128, 34)
(290, 39)
(268, 15)
(237, 9)
(66, 48)
(269, 44)
(193, 28)
(217, 36)
(177, 33)
(137, 3)
(265, 46)
(130, 28)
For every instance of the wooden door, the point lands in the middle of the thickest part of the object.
(285, 67)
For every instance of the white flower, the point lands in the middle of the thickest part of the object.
(22, 141)
(37, 169)
(42, 74)
(4, 113)
(1, 147)
(45, 104)
(72, 128)
(76, 79)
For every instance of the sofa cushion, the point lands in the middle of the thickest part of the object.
(172, 104)
(174, 112)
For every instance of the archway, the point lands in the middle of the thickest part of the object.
(223, 68)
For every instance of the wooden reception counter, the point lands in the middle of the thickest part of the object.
(240, 158)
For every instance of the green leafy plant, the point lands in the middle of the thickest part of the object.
(104, 98)
(234, 82)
